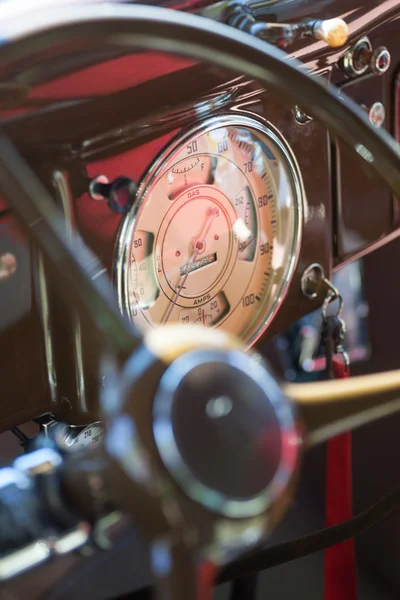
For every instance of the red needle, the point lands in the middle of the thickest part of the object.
(204, 319)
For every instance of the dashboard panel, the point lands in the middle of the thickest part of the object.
(84, 114)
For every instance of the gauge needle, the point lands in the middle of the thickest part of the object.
(203, 316)
(198, 246)
(246, 243)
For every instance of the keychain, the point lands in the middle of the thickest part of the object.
(340, 581)
(333, 335)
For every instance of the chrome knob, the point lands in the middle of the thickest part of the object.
(376, 114)
(380, 60)
(361, 57)
(356, 59)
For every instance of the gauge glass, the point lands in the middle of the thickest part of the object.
(214, 235)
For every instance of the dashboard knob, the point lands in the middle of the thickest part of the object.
(120, 193)
(380, 60)
(376, 114)
(99, 188)
(356, 59)
(334, 32)
(361, 57)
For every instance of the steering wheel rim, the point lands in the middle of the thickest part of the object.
(143, 27)
(153, 28)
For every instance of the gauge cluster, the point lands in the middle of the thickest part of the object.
(214, 235)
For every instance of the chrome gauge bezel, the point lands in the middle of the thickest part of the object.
(244, 120)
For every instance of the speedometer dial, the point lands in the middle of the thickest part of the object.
(214, 235)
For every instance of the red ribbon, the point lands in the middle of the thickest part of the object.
(340, 561)
(206, 575)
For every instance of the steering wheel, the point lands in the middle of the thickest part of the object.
(195, 521)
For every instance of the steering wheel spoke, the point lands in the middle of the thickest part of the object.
(329, 408)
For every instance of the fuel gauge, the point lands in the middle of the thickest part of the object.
(194, 170)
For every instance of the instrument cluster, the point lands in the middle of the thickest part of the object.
(214, 234)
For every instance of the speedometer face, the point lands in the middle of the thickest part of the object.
(214, 235)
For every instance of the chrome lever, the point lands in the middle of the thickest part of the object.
(334, 32)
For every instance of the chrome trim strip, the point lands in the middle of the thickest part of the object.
(61, 184)
(47, 330)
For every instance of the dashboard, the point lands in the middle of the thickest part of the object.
(204, 196)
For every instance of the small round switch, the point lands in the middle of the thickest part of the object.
(357, 58)
(361, 58)
(376, 114)
(380, 60)
(120, 193)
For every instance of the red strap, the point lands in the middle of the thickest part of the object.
(340, 561)
(206, 575)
